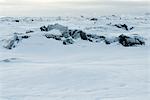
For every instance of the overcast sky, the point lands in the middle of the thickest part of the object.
(69, 7)
(39, 1)
(34, 2)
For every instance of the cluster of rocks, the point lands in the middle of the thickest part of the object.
(124, 26)
(69, 36)
(131, 40)
(124, 40)
(56, 37)
(14, 40)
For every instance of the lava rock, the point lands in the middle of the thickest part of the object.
(29, 31)
(25, 37)
(131, 41)
(93, 19)
(95, 38)
(16, 20)
(68, 41)
(74, 34)
(43, 28)
(131, 28)
(56, 37)
(123, 26)
(83, 35)
(66, 34)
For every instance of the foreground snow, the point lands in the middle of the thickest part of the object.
(45, 69)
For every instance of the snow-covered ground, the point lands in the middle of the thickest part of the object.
(44, 69)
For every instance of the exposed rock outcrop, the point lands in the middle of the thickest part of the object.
(13, 41)
(131, 41)
(56, 37)
(65, 33)
(123, 26)
(69, 36)
(68, 41)
(95, 38)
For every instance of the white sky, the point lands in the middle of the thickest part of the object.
(64, 0)
(15, 2)
(70, 7)
(34, 2)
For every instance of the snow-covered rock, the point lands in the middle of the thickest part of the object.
(68, 41)
(95, 38)
(123, 26)
(133, 40)
(56, 37)
(56, 26)
(12, 41)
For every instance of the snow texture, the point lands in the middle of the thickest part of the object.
(75, 58)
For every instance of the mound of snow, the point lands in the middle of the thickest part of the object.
(12, 41)
(69, 36)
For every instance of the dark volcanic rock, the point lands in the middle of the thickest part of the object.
(66, 34)
(93, 19)
(70, 35)
(131, 28)
(68, 41)
(74, 34)
(43, 28)
(83, 35)
(131, 41)
(56, 37)
(29, 31)
(123, 26)
(25, 37)
(95, 38)
(16, 20)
